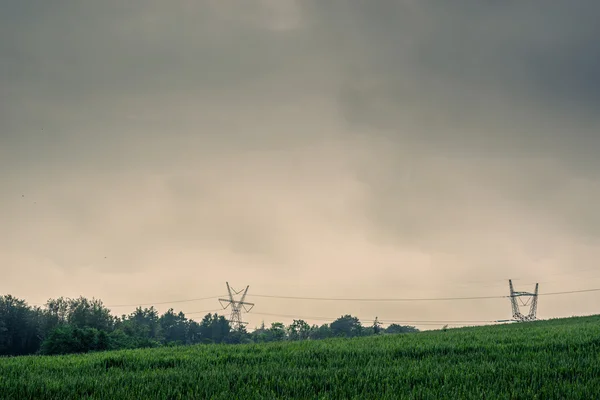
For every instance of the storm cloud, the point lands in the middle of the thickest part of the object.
(153, 150)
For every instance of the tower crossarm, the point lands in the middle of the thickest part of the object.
(229, 289)
(517, 315)
(244, 295)
(519, 294)
(236, 306)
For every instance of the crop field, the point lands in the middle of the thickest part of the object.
(558, 359)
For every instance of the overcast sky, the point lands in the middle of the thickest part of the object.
(152, 150)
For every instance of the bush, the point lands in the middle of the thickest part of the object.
(67, 339)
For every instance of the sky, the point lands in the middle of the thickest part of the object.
(151, 151)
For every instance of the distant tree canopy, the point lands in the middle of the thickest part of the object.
(395, 328)
(174, 327)
(347, 326)
(21, 328)
(298, 330)
(214, 328)
(71, 339)
(81, 325)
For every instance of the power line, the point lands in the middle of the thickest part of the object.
(414, 299)
(420, 322)
(346, 299)
(570, 274)
(149, 304)
(205, 311)
(164, 302)
(382, 299)
(569, 292)
(314, 298)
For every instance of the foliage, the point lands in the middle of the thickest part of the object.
(80, 325)
(80, 312)
(72, 339)
(545, 360)
(376, 329)
(395, 328)
(174, 327)
(240, 336)
(214, 328)
(346, 326)
(142, 323)
(20, 327)
(320, 332)
(298, 330)
(277, 331)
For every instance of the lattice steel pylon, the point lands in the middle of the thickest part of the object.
(516, 298)
(237, 306)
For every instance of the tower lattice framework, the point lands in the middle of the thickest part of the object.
(237, 306)
(523, 299)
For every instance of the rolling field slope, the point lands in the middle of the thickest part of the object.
(557, 359)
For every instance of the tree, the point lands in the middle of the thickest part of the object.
(214, 328)
(174, 327)
(261, 335)
(395, 328)
(299, 330)
(346, 326)
(67, 339)
(20, 327)
(84, 313)
(80, 312)
(103, 341)
(320, 332)
(142, 323)
(77, 325)
(277, 331)
(376, 327)
(193, 334)
(118, 340)
(57, 311)
(238, 336)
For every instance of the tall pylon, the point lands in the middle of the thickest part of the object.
(237, 306)
(531, 301)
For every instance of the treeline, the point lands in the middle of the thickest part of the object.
(81, 325)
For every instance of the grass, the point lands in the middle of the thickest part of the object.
(558, 359)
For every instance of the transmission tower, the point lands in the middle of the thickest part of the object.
(516, 300)
(237, 306)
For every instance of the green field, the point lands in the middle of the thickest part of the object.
(557, 359)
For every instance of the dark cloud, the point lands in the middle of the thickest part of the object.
(354, 145)
(504, 77)
(488, 108)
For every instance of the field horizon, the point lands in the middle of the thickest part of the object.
(558, 358)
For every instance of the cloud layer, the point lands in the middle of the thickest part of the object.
(152, 151)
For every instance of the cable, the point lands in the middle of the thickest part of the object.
(380, 320)
(569, 292)
(205, 311)
(349, 299)
(384, 321)
(414, 299)
(430, 322)
(150, 304)
(164, 302)
(363, 299)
